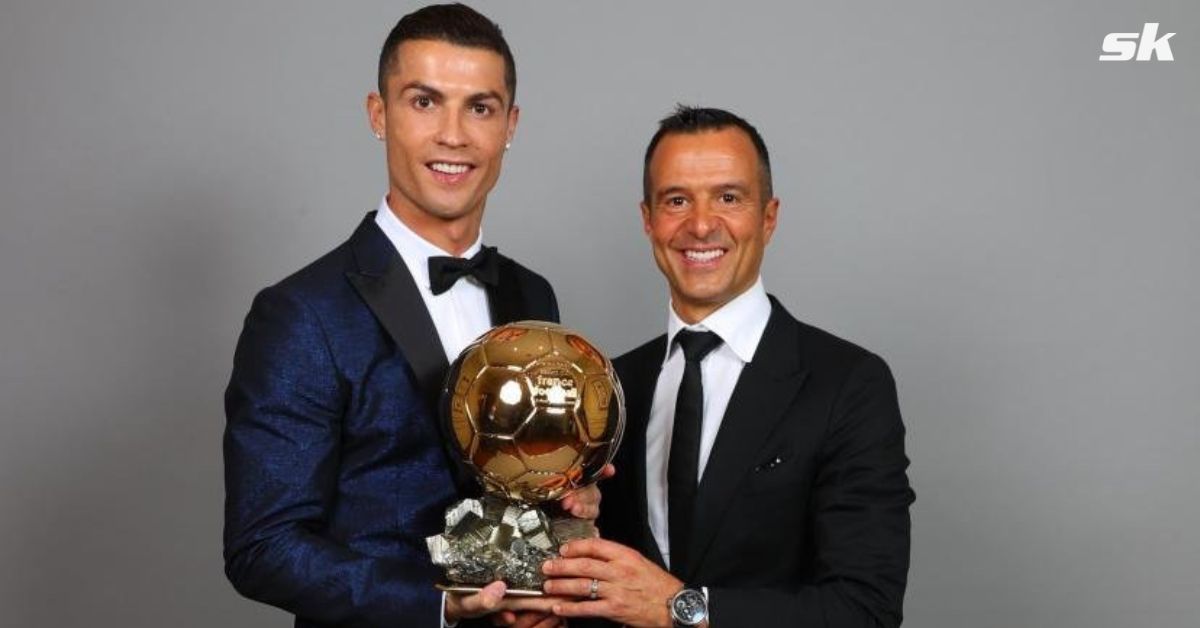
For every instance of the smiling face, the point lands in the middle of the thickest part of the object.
(706, 218)
(446, 116)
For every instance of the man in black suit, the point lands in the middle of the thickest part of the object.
(335, 470)
(762, 481)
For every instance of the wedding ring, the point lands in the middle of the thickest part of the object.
(594, 590)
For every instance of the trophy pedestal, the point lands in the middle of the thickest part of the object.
(463, 588)
(491, 539)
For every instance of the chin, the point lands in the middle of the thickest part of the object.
(701, 299)
(704, 293)
(449, 211)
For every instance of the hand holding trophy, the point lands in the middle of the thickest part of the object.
(535, 411)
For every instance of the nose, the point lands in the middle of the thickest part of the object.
(450, 129)
(702, 222)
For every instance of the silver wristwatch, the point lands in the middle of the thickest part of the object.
(689, 607)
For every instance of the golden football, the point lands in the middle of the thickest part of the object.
(534, 409)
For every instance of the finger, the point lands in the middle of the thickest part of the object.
(486, 600)
(597, 548)
(589, 494)
(598, 608)
(576, 587)
(608, 471)
(583, 510)
(491, 595)
(536, 620)
(550, 621)
(578, 568)
(539, 604)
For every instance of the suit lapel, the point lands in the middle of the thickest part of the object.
(384, 283)
(763, 393)
(506, 300)
(639, 396)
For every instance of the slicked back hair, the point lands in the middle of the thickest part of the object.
(689, 120)
(456, 24)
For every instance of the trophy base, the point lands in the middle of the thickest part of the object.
(466, 588)
(489, 539)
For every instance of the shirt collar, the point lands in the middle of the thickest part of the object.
(413, 249)
(740, 323)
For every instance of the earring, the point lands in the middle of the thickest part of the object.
(378, 135)
(507, 145)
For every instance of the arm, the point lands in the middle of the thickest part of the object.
(860, 520)
(860, 527)
(284, 409)
(551, 304)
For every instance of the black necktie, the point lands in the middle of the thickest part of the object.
(444, 271)
(684, 461)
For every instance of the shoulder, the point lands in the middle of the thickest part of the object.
(318, 290)
(649, 353)
(527, 278)
(818, 343)
(534, 290)
(825, 353)
(367, 251)
(325, 272)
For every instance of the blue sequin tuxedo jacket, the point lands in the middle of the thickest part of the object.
(335, 469)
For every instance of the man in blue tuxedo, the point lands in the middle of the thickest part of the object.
(335, 469)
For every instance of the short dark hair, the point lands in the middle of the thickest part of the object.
(456, 24)
(686, 119)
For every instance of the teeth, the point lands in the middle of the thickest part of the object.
(703, 256)
(449, 168)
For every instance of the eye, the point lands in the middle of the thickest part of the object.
(422, 102)
(481, 109)
(729, 198)
(675, 202)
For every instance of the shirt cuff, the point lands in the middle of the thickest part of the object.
(442, 613)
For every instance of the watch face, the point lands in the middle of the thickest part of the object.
(689, 607)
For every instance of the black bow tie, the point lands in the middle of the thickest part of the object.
(444, 270)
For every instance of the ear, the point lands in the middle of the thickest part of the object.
(770, 218)
(514, 116)
(376, 114)
(645, 217)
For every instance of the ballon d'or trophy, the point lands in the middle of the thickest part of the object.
(535, 411)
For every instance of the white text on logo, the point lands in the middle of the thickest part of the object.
(1147, 45)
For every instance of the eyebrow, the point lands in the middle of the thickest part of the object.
(674, 189)
(421, 87)
(720, 187)
(490, 94)
(740, 188)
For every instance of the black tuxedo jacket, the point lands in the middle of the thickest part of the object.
(802, 513)
(335, 469)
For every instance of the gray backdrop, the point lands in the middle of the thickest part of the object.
(966, 190)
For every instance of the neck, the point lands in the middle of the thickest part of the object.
(693, 313)
(453, 235)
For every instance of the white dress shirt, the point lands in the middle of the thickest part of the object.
(461, 313)
(740, 324)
